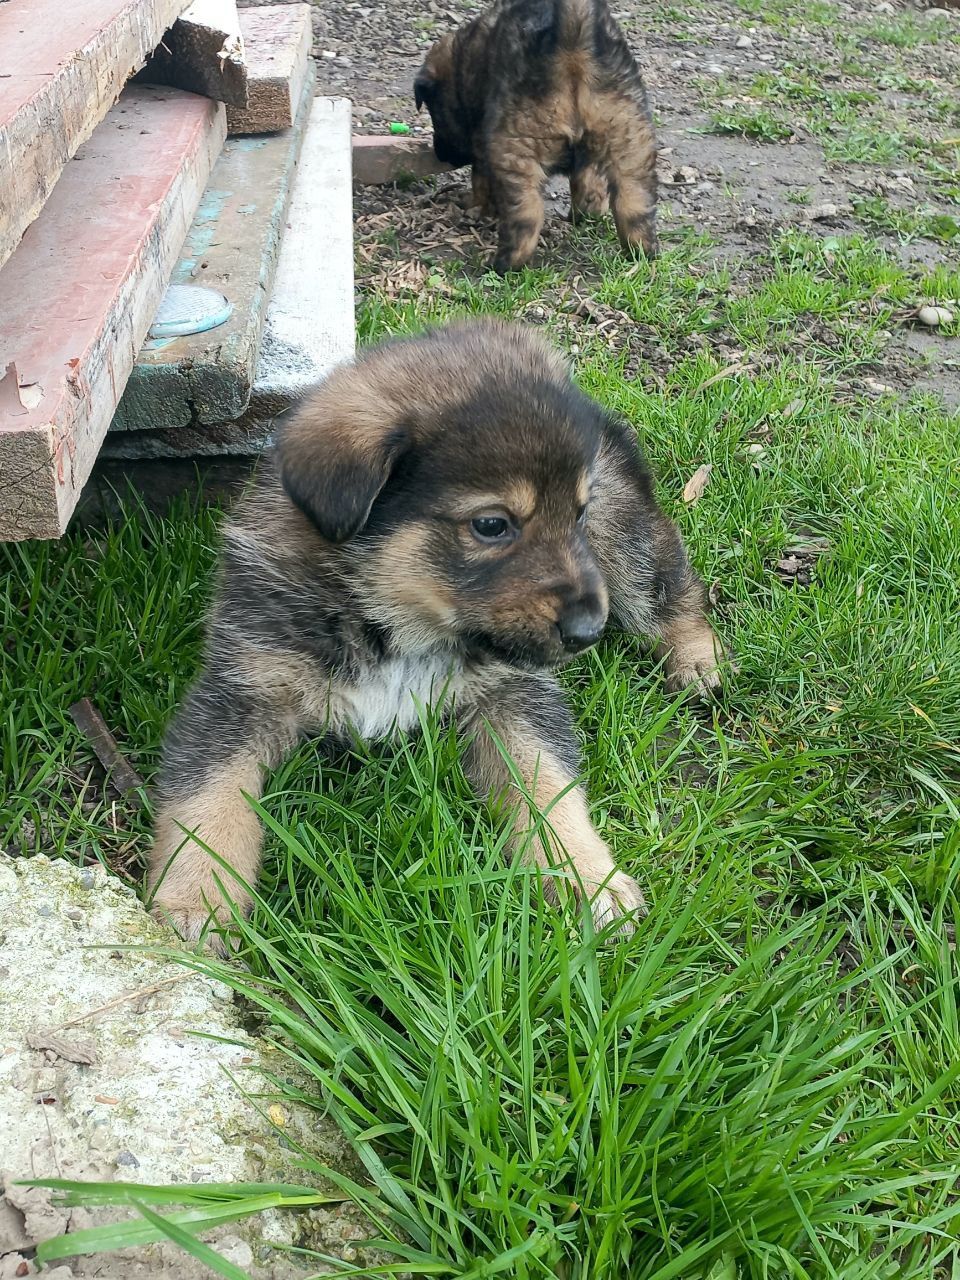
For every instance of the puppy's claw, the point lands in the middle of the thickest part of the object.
(699, 667)
(197, 922)
(619, 899)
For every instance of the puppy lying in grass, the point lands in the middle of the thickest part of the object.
(443, 522)
(532, 88)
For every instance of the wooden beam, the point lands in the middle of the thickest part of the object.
(203, 52)
(77, 297)
(233, 247)
(277, 39)
(310, 324)
(62, 67)
(379, 159)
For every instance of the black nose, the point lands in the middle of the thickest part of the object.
(582, 625)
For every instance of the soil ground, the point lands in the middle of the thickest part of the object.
(831, 117)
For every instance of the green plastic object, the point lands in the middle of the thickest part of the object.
(397, 127)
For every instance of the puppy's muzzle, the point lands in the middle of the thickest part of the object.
(581, 624)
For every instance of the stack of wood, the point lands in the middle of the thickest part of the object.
(146, 144)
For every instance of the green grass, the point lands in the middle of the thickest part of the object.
(762, 1081)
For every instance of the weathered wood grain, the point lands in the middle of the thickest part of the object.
(62, 67)
(78, 295)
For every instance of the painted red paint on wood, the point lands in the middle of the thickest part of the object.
(78, 295)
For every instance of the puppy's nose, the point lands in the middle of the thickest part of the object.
(582, 625)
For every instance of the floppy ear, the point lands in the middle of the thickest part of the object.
(423, 88)
(336, 454)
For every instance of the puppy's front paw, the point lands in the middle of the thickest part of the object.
(695, 663)
(200, 919)
(619, 898)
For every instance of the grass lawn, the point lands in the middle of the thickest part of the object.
(762, 1081)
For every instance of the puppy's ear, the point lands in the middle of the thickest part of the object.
(336, 453)
(424, 87)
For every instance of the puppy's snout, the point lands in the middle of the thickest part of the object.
(581, 625)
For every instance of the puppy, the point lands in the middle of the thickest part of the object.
(536, 87)
(443, 522)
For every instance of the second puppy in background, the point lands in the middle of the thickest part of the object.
(532, 88)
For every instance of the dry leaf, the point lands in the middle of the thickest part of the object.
(695, 486)
(81, 1049)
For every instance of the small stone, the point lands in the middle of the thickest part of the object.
(826, 212)
(878, 388)
(934, 317)
(686, 175)
(715, 69)
(756, 450)
(329, 54)
(885, 7)
(45, 1080)
(236, 1251)
(744, 42)
(938, 13)
(87, 878)
(128, 1159)
(74, 913)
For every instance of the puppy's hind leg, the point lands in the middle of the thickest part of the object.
(213, 753)
(628, 148)
(517, 181)
(527, 720)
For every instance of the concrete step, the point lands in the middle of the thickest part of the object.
(310, 324)
(277, 40)
(78, 295)
(62, 67)
(233, 247)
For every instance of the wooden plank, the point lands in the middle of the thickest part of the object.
(203, 52)
(277, 40)
(233, 246)
(71, 322)
(310, 323)
(379, 159)
(62, 67)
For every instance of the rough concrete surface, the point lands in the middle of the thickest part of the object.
(101, 1078)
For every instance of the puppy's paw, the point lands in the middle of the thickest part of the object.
(696, 663)
(198, 919)
(620, 899)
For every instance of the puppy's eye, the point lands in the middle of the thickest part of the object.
(491, 528)
(582, 514)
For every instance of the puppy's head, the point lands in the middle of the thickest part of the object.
(435, 88)
(455, 472)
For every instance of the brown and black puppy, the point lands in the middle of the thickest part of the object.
(443, 522)
(536, 87)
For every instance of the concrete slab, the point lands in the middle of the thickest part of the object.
(277, 39)
(62, 67)
(105, 1078)
(310, 324)
(380, 158)
(72, 323)
(233, 246)
(203, 53)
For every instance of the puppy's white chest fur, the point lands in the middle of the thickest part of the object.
(389, 695)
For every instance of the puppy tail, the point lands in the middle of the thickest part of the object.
(574, 22)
